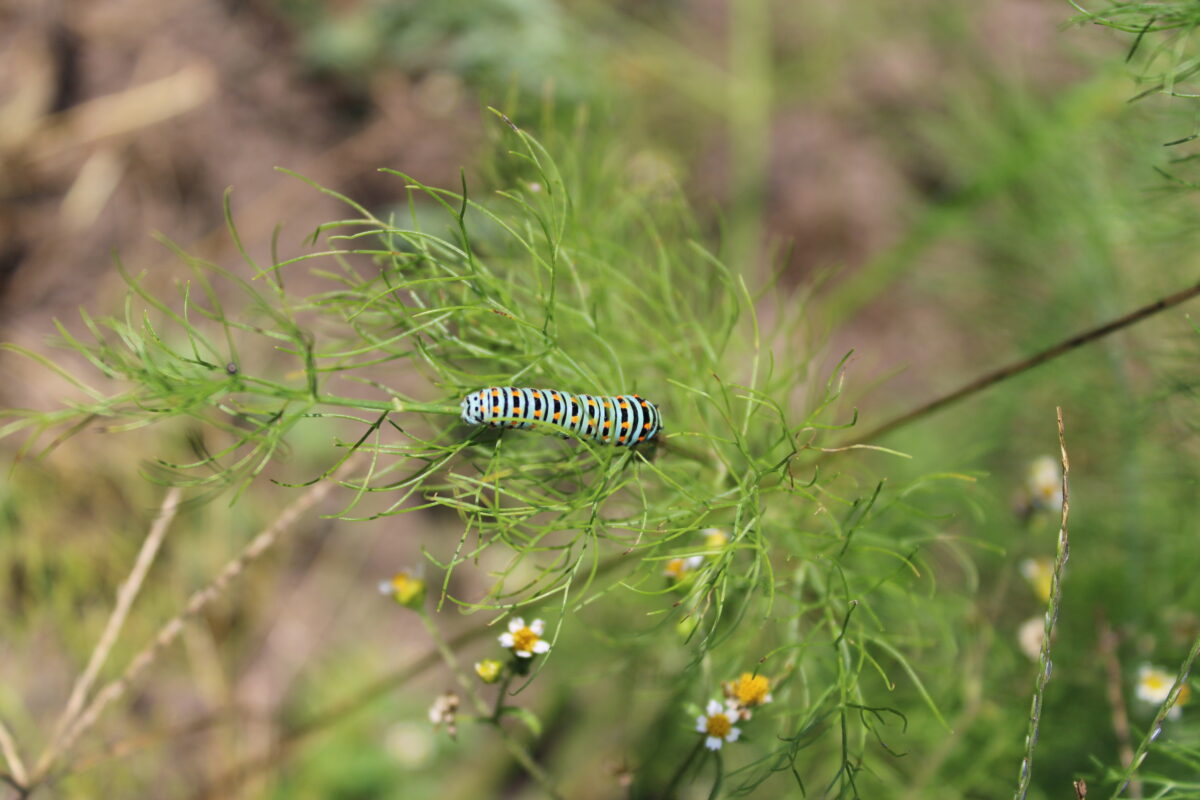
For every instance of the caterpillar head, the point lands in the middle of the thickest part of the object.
(471, 409)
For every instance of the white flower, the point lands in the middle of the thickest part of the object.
(1040, 574)
(717, 724)
(1154, 685)
(1044, 481)
(715, 538)
(748, 691)
(1030, 635)
(406, 587)
(525, 641)
(678, 568)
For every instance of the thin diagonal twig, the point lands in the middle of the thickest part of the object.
(116, 621)
(228, 782)
(1025, 364)
(8, 748)
(198, 601)
(1053, 607)
(1116, 699)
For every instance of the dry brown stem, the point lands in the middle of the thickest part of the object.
(1025, 364)
(1116, 699)
(198, 601)
(124, 112)
(125, 596)
(8, 748)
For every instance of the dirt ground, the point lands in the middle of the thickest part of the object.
(124, 118)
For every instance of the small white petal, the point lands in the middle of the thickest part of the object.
(733, 734)
(515, 624)
(701, 724)
(541, 646)
(693, 562)
(712, 743)
(385, 587)
(714, 707)
(523, 654)
(506, 640)
(537, 626)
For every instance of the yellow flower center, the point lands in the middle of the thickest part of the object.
(1154, 682)
(751, 690)
(675, 568)
(524, 640)
(1185, 694)
(406, 588)
(719, 726)
(716, 539)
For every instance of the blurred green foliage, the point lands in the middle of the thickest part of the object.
(1033, 210)
(530, 44)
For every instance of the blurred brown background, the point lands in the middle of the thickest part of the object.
(125, 117)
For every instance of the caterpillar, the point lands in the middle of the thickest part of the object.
(622, 420)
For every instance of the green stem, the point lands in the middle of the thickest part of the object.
(523, 757)
(669, 792)
(501, 694)
(395, 404)
(517, 750)
(452, 662)
(278, 390)
(1053, 607)
(716, 787)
